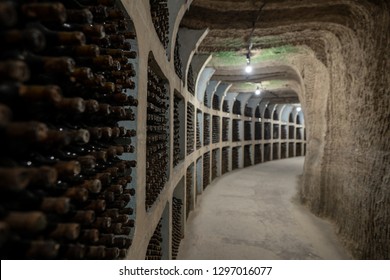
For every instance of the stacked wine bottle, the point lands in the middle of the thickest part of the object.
(298, 133)
(291, 130)
(160, 18)
(275, 131)
(267, 131)
(206, 129)
(177, 205)
(216, 128)
(298, 151)
(190, 128)
(154, 250)
(225, 129)
(257, 153)
(236, 131)
(283, 132)
(216, 102)
(237, 107)
(64, 189)
(225, 160)
(225, 106)
(258, 132)
(199, 122)
(247, 156)
(189, 188)
(257, 112)
(248, 111)
(247, 130)
(235, 158)
(283, 150)
(177, 59)
(206, 169)
(290, 149)
(191, 80)
(176, 131)
(275, 151)
(214, 166)
(157, 138)
(267, 152)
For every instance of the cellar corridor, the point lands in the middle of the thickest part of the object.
(253, 213)
(153, 129)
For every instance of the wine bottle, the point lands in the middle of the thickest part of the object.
(30, 39)
(14, 70)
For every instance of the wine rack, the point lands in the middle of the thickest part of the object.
(275, 131)
(258, 132)
(267, 152)
(283, 150)
(206, 169)
(154, 250)
(216, 129)
(206, 129)
(247, 130)
(190, 128)
(225, 106)
(191, 80)
(275, 151)
(237, 107)
(283, 132)
(160, 18)
(214, 166)
(257, 153)
(189, 188)
(199, 126)
(290, 149)
(236, 131)
(235, 158)
(177, 205)
(225, 129)
(248, 111)
(157, 137)
(178, 129)
(65, 189)
(177, 59)
(225, 160)
(247, 156)
(216, 102)
(267, 131)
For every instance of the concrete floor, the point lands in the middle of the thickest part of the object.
(253, 213)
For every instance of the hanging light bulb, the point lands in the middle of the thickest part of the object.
(248, 68)
(299, 109)
(258, 91)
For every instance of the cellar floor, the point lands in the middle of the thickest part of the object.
(254, 213)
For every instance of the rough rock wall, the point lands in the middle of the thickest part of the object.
(352, 186)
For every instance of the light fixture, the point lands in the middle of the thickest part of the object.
(258, 91)
(299, 109)
(248, 69)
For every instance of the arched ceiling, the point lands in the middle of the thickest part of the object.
(275, 31)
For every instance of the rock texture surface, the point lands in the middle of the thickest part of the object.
(342, 82)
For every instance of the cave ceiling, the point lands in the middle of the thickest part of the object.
(273, 33)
